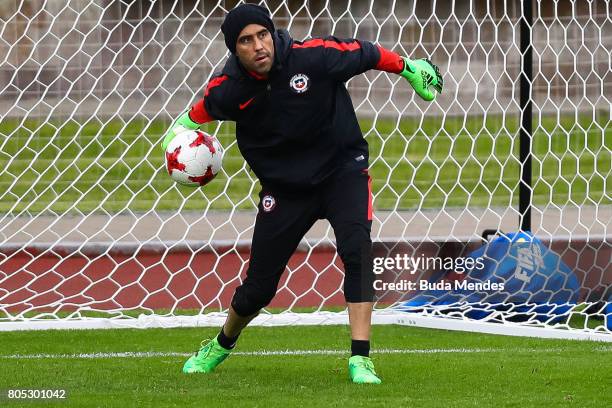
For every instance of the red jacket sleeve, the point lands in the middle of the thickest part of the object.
(199, 114)
(389, 61)
(211, 107)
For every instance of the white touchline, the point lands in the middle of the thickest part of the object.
(149, 354)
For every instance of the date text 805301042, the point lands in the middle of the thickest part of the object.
(21, 393)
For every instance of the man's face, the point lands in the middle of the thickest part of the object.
(255, 49)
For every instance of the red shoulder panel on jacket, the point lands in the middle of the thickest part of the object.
(319, 42)
(214, 82)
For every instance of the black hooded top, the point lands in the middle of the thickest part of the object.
(298, 126)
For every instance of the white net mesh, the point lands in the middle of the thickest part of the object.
(90, 224)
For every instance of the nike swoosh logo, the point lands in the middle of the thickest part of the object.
(244, 105)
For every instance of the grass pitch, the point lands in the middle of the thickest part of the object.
(421, 368)
(433, 163)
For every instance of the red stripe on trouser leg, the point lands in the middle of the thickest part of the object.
(369, 198)
(369, 194)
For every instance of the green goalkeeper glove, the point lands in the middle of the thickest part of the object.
(422, 74)
(182, 123)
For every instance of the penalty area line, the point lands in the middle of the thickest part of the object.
(153, 354)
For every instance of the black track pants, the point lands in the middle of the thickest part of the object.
(283, 219)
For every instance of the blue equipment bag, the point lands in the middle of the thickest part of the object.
(537, 284)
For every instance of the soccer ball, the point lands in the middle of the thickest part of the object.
(193, 158)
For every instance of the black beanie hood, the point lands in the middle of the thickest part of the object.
(240, 17)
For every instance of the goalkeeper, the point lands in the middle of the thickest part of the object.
(297, 129)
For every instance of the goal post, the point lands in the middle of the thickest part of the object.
(93, 232)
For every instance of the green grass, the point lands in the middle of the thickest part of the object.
(511, 372)
(439, 162)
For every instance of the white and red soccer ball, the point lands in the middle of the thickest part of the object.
(193, 158)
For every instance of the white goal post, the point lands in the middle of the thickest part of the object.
(93, 233)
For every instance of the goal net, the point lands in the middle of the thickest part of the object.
(93, 233)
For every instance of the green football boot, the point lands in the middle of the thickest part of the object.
(361, 371)
(207, 358)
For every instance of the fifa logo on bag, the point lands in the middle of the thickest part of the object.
(529, 259)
